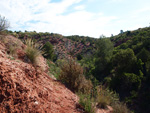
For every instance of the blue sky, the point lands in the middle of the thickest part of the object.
(76, 17)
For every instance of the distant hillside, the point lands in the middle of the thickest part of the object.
(64, 46)
(131, 35)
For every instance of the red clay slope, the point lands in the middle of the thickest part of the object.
(26, 89)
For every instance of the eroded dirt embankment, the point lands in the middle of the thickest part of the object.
(24, 88)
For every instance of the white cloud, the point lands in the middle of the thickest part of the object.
(141, 10)
(47, 16)
(79, 22)
(116, 0)
(50, 18)
(80, 7)
(21, 11)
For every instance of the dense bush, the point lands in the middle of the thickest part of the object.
(72, 75)
(48, 50)
(87, 102)
(103, 57)
(105, 97)
(120, 108)
(131, 68)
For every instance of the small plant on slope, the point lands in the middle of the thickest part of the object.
(120, 108)
(87, 102)
(32, 51)
(72, 76)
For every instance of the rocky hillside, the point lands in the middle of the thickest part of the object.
(130, 35)
(27, 88)
(64, 46)
(24, 88)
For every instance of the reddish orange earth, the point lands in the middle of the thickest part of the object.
(25, 88)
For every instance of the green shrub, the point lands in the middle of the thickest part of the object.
(32, 51)
(48, 48)
(53, 69)
(87, 102)
(120, 108)
(106, 97)
(72, 76)
(103, 101)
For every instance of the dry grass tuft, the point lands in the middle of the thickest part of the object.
(32, 51)
(120, 108)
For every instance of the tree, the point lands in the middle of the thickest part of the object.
(48, 48)
(126, 84)
(103, 57)
(124, 61)
(4, 24)
(126, 75)
(144, 55)
(72, 75)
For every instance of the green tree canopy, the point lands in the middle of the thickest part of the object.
(103, 57)
(48, 48)
(144, 55)
(127, 74)
(124, 61)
